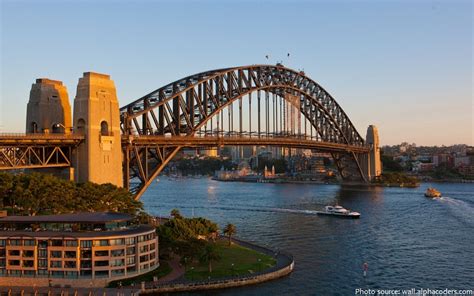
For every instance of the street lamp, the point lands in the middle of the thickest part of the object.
(58, 125)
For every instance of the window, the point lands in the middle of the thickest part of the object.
(69, 264)
(130, 260)
(86, 244)
(28, 253)
(152, 246)
(101, 243)
(86, 273)
(70, 254)
(55, 264)
(118, 272)
(55, 254)
(28, 263)
(15, 272)
(57, 274)
(42, 244)
(131, 269)
(104, 128)
(14, 262)
(143, 249)
(101, 263)
(81, 126)
(2, 243)
(70, 243)
(70, 274)
(3, 252)
(56, 243)
(101, 253)
(130, 240)
(117, 262)
(15, 242)
(117, 253)
(42, 253)
(14, 253)
(86, 264)
(152, 255)
(28, 272)
(143, 258)
(102, 273)
(29, 242)
(117, 242)
(131, 251)
(3, 263)
(86, 254)
(43, 272)
(42, 263)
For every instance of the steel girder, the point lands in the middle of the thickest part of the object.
(182, 107)
(30, 151)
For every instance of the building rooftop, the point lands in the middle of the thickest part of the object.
(73, 234)
(85, 217)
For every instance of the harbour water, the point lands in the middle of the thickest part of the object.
(408, 241)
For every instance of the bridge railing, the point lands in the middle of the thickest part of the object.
(39, 136)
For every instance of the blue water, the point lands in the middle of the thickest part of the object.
(409, 241)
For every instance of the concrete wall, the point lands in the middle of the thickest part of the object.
(230, 283)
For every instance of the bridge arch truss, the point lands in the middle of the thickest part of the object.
(190, 112)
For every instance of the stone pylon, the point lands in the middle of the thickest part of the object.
(96, 115)
(373, 165)
(48, 109)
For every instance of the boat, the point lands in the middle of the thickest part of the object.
(432, 193)
(338, 211)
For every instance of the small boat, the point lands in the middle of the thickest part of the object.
(338, 211)
(432, 193)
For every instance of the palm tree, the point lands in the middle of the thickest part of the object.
(209, 254)
(176, 214)
(230, 230)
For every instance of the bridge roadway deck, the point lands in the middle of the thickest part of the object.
(213, 141)
(184, 141)
(39, 139)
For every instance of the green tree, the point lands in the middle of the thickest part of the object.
(230, 230)
(41, 194)
(176, 214)
(209, 254)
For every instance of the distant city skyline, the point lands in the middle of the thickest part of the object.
(405, 66)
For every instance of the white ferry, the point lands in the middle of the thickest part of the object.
(338, 211)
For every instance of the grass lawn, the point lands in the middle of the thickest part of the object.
(160, 272)
(245, 262)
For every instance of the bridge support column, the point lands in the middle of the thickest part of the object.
(96, 115)
(48, 109)
(372, 165)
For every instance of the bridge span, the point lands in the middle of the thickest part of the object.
(257, 105)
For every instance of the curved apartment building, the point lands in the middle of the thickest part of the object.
(76, 250)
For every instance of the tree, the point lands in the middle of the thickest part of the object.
(230, 230)
(209, 254)
(176, 214)
(43, 194)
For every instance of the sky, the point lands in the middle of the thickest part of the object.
(405, 66)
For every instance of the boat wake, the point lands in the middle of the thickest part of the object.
(460, 209)
(253, 209)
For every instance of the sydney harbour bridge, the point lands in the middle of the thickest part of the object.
(257, 105)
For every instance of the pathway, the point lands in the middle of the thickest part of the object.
(176, 272)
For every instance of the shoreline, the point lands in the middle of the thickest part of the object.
(283, 267)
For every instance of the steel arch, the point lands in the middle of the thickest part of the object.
(182, 107)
